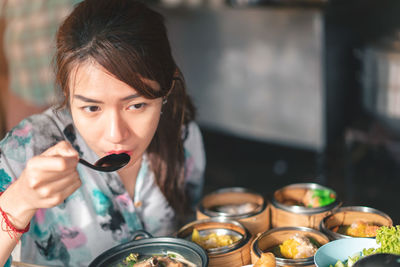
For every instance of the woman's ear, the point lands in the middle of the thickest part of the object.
(175, 78)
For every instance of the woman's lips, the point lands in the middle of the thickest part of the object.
(119, 152)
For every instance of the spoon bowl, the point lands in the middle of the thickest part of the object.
(109, 163)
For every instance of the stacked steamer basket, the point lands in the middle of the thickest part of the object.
(351, 216)
(234, 255)
(240, 204)
(286, 209)
(270, 241)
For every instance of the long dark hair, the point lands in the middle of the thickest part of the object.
(129, 40)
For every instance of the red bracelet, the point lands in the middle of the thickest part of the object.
(8, 227)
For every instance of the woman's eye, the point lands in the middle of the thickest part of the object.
(136, 106)
(91, 109)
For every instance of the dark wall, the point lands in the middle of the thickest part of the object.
(349, 26)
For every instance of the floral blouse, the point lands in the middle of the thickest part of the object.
(100, 214)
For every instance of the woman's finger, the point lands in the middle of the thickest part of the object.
(52, 163)
(41, 171)
(59, 197)
(54, 187)
(62, 148)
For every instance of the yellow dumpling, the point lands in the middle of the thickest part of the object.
(362, 229)
(297, 247)
(213, 240)
(289, 248)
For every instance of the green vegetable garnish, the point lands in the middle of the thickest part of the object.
(338, 264)
(325, 196)
(389, 238)
(131, 259)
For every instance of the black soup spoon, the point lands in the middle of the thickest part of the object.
(108, 163)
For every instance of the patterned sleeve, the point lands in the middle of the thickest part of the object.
(29, 138)
(6, 174)
(195, 162)
(13, 153)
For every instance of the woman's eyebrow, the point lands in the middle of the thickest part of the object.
(129, 97)
(86, 99)
(90, 100)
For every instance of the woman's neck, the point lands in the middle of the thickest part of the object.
(128, 177)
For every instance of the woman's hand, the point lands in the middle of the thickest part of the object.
(49, 178)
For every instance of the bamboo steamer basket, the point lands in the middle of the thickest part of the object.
(256, 220)
(234, 255)
(348, 215)
(276, 236)
(283, 215)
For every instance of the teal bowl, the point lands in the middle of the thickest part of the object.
(341, 249)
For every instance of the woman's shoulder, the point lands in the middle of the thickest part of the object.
(35, 133)
(191, 129)
(193, 144)
(192, 134)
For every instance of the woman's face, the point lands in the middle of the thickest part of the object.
(110, 115)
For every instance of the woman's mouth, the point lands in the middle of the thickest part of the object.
(119, 152)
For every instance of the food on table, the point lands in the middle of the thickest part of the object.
(168, 260)
(213, 240)
(358, 228)
(350, 261)
(297, 247)
(387, 237)
(267, 259)
(315, 198)
(236, 209)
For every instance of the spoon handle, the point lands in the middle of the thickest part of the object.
(84, 162)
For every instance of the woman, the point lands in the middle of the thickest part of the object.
(123, 94)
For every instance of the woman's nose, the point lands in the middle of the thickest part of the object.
(117, 128)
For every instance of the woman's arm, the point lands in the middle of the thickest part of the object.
(17, 217)
(46, 181)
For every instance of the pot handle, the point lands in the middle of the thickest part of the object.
(139, 234)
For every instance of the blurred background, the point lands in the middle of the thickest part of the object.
(287, 91)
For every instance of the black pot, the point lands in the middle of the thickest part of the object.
(379, 259)
(149, 245)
